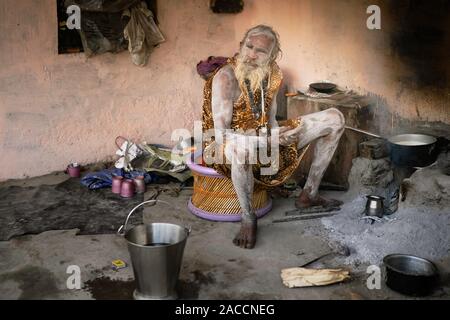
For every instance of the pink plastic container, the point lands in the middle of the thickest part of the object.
(116, 186)
(127, 189)
(73, 170)
(140, 184)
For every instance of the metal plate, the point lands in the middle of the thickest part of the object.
(324, 87)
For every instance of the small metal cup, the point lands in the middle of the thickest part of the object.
(374, 206)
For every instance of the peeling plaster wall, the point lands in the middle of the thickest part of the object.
(55, 109)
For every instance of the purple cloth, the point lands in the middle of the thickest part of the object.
(206, 68)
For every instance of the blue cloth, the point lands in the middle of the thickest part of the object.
(103, 179)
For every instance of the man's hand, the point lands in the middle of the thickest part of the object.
(288, 135)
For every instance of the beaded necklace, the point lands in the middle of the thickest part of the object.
(257, 108)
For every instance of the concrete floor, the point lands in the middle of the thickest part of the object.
(35, 266)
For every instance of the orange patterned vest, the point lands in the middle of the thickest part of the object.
(244, 119)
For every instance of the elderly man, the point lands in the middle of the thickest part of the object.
(241, 95)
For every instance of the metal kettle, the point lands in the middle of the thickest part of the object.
(374, 206)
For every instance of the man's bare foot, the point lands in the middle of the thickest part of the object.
(246, 237)
(281, 192)
(305, 201)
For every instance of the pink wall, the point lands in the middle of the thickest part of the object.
(55, 109)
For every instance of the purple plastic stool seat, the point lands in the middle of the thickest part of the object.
(225, 217)
(215, 216)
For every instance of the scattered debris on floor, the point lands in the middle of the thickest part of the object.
(105, 288)
(337, 250)
(118, 264)
(303, 277)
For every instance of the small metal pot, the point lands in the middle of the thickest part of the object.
(410, 275)
(374, 206)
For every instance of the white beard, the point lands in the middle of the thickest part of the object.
(254, 75)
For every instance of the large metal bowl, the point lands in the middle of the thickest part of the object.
(413, 150)
(410, 275)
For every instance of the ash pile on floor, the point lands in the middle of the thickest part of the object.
(419, 227)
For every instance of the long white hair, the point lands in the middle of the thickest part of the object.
(269, 31)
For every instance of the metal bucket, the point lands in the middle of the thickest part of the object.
(156, 252)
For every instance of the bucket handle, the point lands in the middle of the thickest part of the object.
(122, 230)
